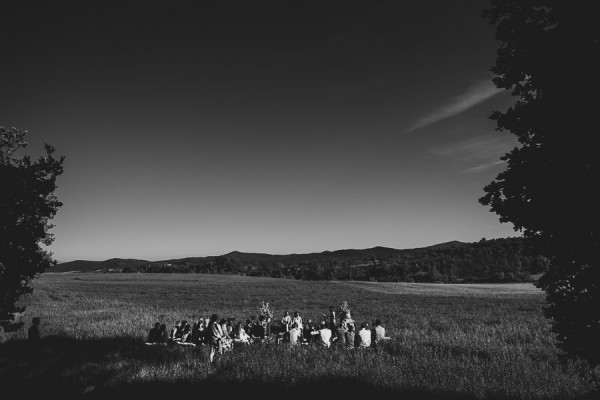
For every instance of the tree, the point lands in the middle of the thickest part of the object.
(27, 204)
(549, 59)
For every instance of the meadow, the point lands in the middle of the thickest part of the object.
(448, 341)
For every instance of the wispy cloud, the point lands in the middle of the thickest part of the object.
(477, 154)
(480, 91)
(483, 167)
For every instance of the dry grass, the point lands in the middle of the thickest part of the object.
(458, 341)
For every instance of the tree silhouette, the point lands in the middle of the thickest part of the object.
(27, 204)
(549, 59)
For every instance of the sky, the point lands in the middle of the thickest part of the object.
(201, 128)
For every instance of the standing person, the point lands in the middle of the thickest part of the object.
(364, 335)
(33, 333)
(286, 321)
(216, 335)
(226, 340)
(331, 318)
(297, 320)
(294, 334)
(259, 329)
(325, 335)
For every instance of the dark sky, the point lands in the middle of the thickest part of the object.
(205, 127)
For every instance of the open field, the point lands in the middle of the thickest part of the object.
(448, 341)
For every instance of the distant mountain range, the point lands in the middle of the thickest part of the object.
(494, 260)
(119, 264)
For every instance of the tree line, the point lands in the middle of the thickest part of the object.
(493, 260)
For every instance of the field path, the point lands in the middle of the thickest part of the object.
(457, 289)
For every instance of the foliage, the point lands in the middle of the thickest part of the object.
(344, 307)
(265, 311)
(27, 204)
(549, 60)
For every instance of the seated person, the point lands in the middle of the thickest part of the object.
(163, 336)
(186, 332)
(350, 336)
(307, 332)
(33, 333)
(249, 326)
(364, 335)
(175, 335)
(153, 335)
(325, 335)
(198, 332)
(241, 336)
(341, 333)
(379, 331)
(231, 326)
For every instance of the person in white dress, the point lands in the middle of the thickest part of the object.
(295, 334)
(297, 320)
(241, 337)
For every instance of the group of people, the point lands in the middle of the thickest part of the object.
(221, 334)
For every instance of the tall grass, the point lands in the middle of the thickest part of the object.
(489, 344)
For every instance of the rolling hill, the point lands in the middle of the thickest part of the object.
(119, 264)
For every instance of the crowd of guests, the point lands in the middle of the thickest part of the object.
(222, 334)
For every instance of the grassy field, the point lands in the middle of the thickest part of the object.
(448, 341)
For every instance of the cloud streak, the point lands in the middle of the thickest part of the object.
(478, 154)
(477, 93)
(483, 167)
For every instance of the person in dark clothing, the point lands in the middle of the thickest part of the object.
(258, 330)
(350, 336)
(163, 335)
(154, 334)
(341, 333)
(33, 334)
(186, 332)
(175, 335)
(198, 333)
(309, 328)
(249, 327)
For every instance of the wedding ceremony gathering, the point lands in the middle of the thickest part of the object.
(297, 200)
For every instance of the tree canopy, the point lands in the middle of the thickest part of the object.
(27, 204)
(549, 58)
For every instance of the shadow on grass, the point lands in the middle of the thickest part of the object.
(71, 366)
(111, 368)
(339, 388)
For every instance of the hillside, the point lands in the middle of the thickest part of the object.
(496, 260)
(113, 264)
(118, 264)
